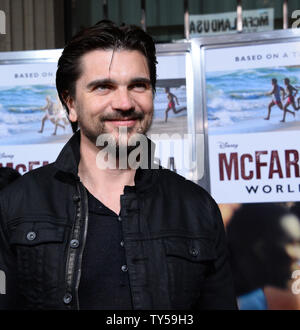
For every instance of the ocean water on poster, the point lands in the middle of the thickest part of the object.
(21, 115)
(237, 100)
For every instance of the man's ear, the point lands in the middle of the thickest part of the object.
(70, 103)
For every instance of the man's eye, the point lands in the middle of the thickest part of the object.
(139, 86)
(103, 88)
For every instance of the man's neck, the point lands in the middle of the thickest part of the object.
(105, 184)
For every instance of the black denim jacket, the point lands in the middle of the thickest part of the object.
(174, 239)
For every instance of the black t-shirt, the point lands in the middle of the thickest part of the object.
(104, 282)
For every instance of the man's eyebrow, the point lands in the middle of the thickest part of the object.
(107, 81)
(98, 82)
(140, 80)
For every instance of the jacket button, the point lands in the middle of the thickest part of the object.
(76, 198)
(194, 252)
(67, 298)
(31, 236)
(119, 218)
(122, 243)
(74, 243)
(124, 268)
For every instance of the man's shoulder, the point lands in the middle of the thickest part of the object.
(40, 172)
(32, 193)
(29, 181)
(187, 200)
(177, 184)
(170, 177)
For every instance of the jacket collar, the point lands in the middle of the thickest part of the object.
(69, 157)
(68, 160)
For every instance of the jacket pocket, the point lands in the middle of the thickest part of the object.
(33, 233)
(39, 248)
(189, 261)
(191, 249)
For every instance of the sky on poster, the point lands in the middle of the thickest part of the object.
(266, 55)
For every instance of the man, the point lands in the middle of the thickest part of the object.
(171, 103)
(291, 92)
(60, 115)
(52, 114)
(276, 92)
(84, 237)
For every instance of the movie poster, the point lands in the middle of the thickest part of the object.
(253, 115)
(253, 120)
(33, 126)
(169, 128)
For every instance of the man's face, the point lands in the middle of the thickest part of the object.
(113, 92)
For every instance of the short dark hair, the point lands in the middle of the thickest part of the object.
(274, 80)
(103, 35)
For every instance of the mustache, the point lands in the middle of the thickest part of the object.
(121, 115)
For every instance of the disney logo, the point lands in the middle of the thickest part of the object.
(224, 145)
(4, 155)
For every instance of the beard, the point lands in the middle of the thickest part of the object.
(93, 129)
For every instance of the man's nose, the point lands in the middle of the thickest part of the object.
(122, 100)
